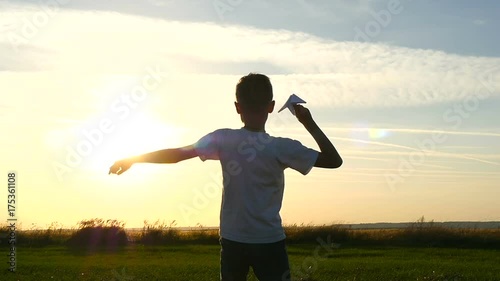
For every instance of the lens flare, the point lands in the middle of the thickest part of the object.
(375, 133)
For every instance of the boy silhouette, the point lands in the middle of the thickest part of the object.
(253, 164)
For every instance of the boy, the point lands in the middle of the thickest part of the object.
(253, 180)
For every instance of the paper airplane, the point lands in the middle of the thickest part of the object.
(292, 100)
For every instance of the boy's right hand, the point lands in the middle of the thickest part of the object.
(303, 114)
(328, 156)
(120, 166)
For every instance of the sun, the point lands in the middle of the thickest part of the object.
(138, 134)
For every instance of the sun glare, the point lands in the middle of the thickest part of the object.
(96, 149)
(141, 134)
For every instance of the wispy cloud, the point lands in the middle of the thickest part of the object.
(475, 157)
(412, 131)
(359, 74)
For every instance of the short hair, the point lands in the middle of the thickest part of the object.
(254, 91)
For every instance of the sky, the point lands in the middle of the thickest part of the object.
(407, 91)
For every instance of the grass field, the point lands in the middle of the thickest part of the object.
(104, 250)
(201, 262)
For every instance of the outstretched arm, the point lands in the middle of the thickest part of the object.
(172, 155)
(328, 156)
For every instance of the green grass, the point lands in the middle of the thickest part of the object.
(201, 262)
(423, 251)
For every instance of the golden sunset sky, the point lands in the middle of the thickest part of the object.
(409, 93)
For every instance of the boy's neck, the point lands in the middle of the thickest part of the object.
(255, 128)
(255, 121)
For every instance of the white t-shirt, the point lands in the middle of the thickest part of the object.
(253, 164)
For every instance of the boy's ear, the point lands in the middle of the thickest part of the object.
(237, 106)
(271, 107)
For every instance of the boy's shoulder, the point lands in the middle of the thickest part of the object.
(230, 133)
(243, 131)
(223, 132)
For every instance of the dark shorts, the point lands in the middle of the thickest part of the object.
(268, 261)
